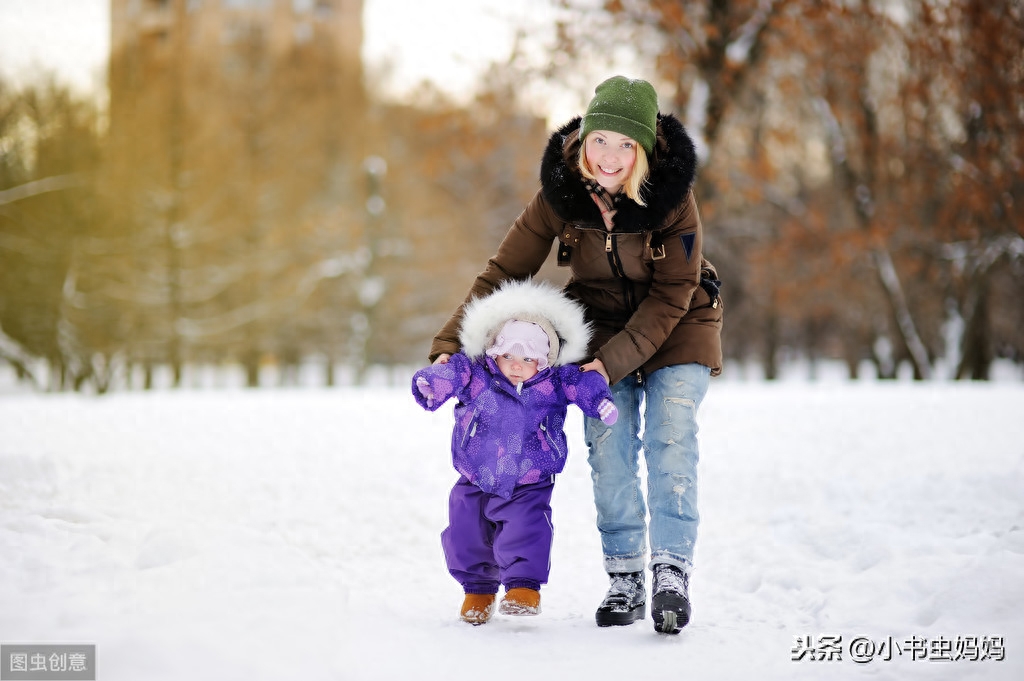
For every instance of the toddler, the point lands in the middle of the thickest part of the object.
(513, 382)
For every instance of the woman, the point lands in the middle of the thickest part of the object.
(616, 191)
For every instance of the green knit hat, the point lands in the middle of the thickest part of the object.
(626, 106)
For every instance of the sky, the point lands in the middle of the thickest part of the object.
(71, 37)
(446, 41)
(850, 531)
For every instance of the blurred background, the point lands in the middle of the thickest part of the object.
(303, 190)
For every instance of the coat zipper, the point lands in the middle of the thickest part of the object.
(551, 439)
(470, 431)
(615, 262)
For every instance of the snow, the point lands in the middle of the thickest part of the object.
(293, 534)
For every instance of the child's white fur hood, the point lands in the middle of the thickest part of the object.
(530, 301)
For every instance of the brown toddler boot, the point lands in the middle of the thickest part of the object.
(477, 608)
(521, 601)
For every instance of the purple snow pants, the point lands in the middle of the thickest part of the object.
(491, 541)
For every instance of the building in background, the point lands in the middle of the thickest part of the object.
(218, 37)
(213, 25)
(236, 146)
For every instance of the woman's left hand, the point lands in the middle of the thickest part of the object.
(598, 366)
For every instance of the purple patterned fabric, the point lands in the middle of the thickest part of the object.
(504, 437)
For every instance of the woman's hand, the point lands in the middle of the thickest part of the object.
(597, 365)
(444, 357)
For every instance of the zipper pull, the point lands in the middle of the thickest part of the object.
(608, 244)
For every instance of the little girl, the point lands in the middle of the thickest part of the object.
(513, 383)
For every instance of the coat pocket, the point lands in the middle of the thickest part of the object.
(708, 294)
(552, 440)
(568, 238)
(470, 430)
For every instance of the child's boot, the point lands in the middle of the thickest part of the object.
(521, 601)
(477, 608)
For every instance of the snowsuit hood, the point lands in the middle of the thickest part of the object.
(561, 319)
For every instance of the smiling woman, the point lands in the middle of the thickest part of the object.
(636, 265)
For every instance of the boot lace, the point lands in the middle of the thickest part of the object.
(624, 588)
(672, 579)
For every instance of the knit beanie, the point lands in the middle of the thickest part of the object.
(525, 339)
(626, 106)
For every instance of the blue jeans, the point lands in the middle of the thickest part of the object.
(670, 398)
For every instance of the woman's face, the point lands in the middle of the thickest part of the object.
(611, 157)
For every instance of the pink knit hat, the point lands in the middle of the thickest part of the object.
(525, 339)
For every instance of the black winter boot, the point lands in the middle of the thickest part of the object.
(670, 599)
(625, 602)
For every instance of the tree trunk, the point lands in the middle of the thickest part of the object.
(901, 311)
(976, 355)
(771, 348)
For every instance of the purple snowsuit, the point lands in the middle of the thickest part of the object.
(508, 445)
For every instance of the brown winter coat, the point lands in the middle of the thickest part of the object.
(641, 281)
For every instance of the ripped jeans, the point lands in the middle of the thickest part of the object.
(670, 397)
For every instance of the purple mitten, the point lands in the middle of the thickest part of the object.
(608, 411)
(423, 385)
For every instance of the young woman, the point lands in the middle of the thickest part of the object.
(616, 192)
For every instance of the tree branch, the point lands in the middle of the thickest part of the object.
(54, 183)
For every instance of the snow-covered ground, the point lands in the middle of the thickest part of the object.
(293, 534)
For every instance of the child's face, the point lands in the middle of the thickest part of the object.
(516, 367)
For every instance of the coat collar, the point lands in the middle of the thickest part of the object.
(673, 168)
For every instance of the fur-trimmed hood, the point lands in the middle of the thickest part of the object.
(529, 301)
(673, 166)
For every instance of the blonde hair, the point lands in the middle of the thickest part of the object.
(637, 177)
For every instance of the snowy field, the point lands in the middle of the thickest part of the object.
(293, 534)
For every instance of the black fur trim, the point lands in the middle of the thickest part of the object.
(673, 169)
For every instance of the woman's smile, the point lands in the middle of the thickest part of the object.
(611, 157)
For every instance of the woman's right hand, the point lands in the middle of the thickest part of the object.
(442, 358)
(598, 366)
